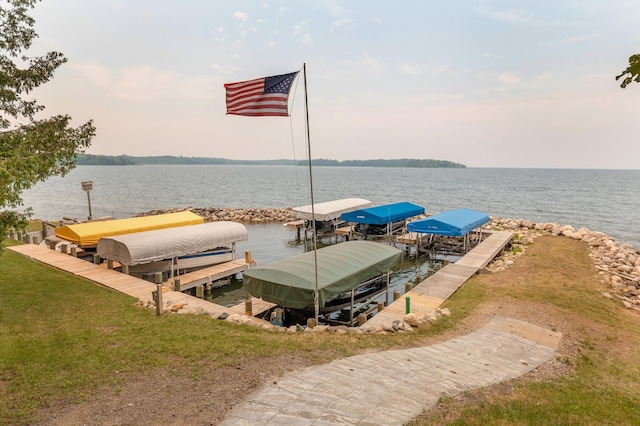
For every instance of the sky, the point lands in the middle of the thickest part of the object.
(480, 82)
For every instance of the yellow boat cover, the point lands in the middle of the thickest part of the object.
(88, 234)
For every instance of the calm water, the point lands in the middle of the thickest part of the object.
(601, 200)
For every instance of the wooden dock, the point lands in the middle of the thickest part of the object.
(208, 275)
(428, 295)
(135, 287)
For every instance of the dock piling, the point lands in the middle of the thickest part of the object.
(158, 278)
(248, 308)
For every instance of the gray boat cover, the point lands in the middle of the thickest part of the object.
(331, 210)
(341, 267)
(151, 246)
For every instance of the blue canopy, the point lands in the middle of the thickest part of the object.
(381, 215)
(451, 223)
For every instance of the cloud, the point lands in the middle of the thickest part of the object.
(143, 83)
(365, 64)
(508, 79)
(578, 39)
(242, 16)
(513, 16)
(92, 73)
(298, 27)
(225, 69)
(339, 23)
(420, 69)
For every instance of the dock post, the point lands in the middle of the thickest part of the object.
(380, 306)
(176, 284)
(362, 318)
(407, 305)
(247, 256)
(396, 295)
(96, 259)
(207, 287)
(248, 305)
(200, 291)
(74, 251)
(12, 234)
(407, 287)
(63, 248)
(109, 263)
(125, 269)
(158, 278)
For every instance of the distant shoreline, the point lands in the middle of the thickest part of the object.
(126, 160)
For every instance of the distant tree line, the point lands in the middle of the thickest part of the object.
(126, 160)
(104, 160)
(402, 162)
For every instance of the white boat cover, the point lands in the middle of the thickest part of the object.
(331, 210)
(151, 246)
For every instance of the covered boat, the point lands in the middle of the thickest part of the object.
(88, 234)
(176, 250)
(451, 223)
(382, 220)
(342, 268)
(327, 215)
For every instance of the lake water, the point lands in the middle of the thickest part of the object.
(600, 200)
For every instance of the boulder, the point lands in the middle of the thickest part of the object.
(411, 319)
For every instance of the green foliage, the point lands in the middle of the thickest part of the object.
(633, 70)
(87, 159)
(402, 162)
(31, 148)
(104, 160)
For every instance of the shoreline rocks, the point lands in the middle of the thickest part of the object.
(617, 263)
(244, 215)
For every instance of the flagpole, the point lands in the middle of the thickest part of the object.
(313, 211)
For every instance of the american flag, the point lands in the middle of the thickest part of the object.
(260, 97)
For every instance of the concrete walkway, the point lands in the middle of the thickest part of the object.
(393, 387)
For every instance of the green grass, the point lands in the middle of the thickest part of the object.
(61, 337)
(603, 385)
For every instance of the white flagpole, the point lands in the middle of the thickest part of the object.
(313, 212)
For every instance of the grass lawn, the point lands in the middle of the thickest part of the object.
(555, 284)
(65, 341)
(63, 337)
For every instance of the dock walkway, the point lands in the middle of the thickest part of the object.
(428, 295)
(132, 286)
(208, 274)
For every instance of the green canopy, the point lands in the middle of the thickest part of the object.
(341, 267)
